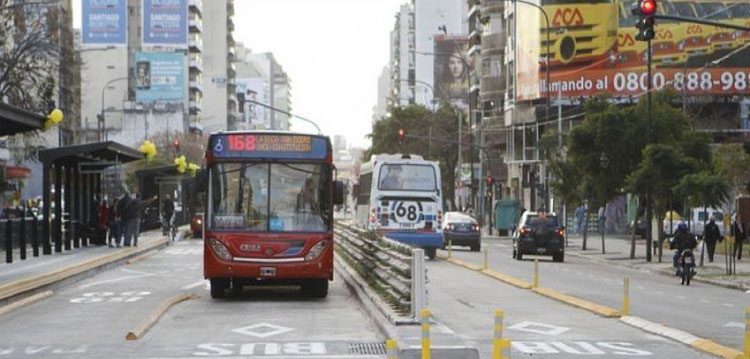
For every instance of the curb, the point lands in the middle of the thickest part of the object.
(24, 302)
(516, 282)
(704, 345)
(599, 309)
(152, 318)
(25, 285)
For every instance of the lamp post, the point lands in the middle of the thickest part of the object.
(425, 84)
(100, 118)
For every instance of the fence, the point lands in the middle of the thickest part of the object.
(25, 234)
(396, 272)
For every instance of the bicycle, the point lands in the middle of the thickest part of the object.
(168, 228)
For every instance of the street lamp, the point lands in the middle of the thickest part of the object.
(432, 89)
(100, 117)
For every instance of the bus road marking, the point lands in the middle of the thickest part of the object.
(262, 349)
(263, 330)
(607, 349)
(109, 297)
(183, 251)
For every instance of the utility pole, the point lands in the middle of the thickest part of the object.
(460, 154)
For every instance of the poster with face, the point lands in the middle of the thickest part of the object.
(451, 72)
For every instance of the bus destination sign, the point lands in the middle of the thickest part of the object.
(254, 145)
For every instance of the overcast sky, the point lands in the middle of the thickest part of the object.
(333, 51)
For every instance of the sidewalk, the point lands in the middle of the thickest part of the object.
(25, 277)
(618, 253)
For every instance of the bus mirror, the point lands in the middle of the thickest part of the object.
(201, 179)
(338, 193)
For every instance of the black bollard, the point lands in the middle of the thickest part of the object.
(34, 238)
(8, 241)
(22, 238)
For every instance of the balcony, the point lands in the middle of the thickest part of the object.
(195, 85)
(196, 5)
(231, 54)
(195, 107)
(196, 24)
(230, 8)
(474, 50)
(474, 10)
(230, 24)
(492, 85)
(492, 6)
(230, 40)
(493, 44)
(196, 63)
(196, 43)
(231, 70)
(231, 99)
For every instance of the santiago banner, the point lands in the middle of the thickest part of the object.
(165, 22)
(104, 22)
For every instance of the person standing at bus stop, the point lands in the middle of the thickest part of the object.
(134, 216)
(167, 211)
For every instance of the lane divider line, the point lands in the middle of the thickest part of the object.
(24, 302)
(152, 318)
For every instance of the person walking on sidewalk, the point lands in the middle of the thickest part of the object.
(102, 213)
(738, 230)
(711, 235)
(602, 219)
(113, 236)
(123, 209)
(580, 214)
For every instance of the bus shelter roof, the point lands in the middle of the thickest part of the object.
(14, 120)
(91, 156)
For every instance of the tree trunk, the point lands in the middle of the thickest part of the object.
(632, 234)
(604, 231)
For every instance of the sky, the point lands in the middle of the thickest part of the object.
(332, 50)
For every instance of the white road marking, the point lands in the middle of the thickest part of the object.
(727, 305)
(641, 287)
(118, 279)
(734, 325)
(659, 292)
(539, 328)
(748, 292)
(681, 297)
(501, 245)
(705, 301)
(196, 284)
(443, 328)
(262, 330)
(579, 273)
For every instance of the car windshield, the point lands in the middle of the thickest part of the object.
(537, 221)
(270, 197)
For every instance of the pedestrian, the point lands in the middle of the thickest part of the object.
(133, 215)
(123, 207)
(167, 211)
(602, 219)
(102, 213)
(580, 214)
(711, 235)
(738, 229)
(113, 235)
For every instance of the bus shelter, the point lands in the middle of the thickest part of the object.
(14, 120)
(71, 181)
(166, 180)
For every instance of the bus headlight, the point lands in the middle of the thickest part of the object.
(316, 250)
(220, 249)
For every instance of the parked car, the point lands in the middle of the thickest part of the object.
(196, 225)
(461, 230)
(696, 220)
(639, 225)
(539, 233)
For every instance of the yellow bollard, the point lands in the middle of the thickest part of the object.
(504, 349)
(536, 273)
(391, 349)
(747, 333)
(626, 296)
(496, 341)
(486, 260)
(425, 320)
(450, 250)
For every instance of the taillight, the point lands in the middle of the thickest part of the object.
(561, 232)
(220, 249)
(449, 227)
(316, 250)
(475, 228)
(524, 231)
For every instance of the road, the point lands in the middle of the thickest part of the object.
(701, 309)
(91, 318)
(463, 302)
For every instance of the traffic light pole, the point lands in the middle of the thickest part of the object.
(649, 214)
(702, 22)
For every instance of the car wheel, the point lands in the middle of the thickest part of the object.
(315, 288)
(219, 287)
(519, 256)
(559, 258)
(514, 253)
(431, 253)
(476, 247)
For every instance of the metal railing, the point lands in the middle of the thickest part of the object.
(395, 271)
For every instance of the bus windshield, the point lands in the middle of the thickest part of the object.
(265, 197)
(407, 177)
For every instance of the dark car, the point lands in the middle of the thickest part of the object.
(639, 226)
(196, 225)
(461, 230)
(539, 234)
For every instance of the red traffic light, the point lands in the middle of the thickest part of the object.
(401, 133)
(648, 7)
(176, 143)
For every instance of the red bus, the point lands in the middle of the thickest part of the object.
(269, 213)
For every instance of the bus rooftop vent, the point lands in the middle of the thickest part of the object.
(364, 348)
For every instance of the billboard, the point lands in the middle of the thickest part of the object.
(165, 23)
(451, 78)
(528, 52)
(159, 76)
(104, 22)
(595, 51)
(251, 89)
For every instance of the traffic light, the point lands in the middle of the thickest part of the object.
(645, 10)
(176, 144)
(401, 135)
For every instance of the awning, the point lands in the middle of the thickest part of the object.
(14, 120)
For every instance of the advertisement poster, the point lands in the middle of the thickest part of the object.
(165, 22)
(451, 74)
(594, 50)
(104, 22)
(159, 76)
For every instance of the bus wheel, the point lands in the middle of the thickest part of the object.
(315, 288)
(219, 287)
(431, 252)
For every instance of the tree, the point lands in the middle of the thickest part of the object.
(427, 133)
(733, 163)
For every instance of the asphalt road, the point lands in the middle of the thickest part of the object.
(703, 310)
(91, 318)
(463, 302)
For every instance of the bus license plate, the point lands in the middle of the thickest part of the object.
(267, 271)
(407, 225)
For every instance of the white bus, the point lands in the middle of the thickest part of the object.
(399, 196)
